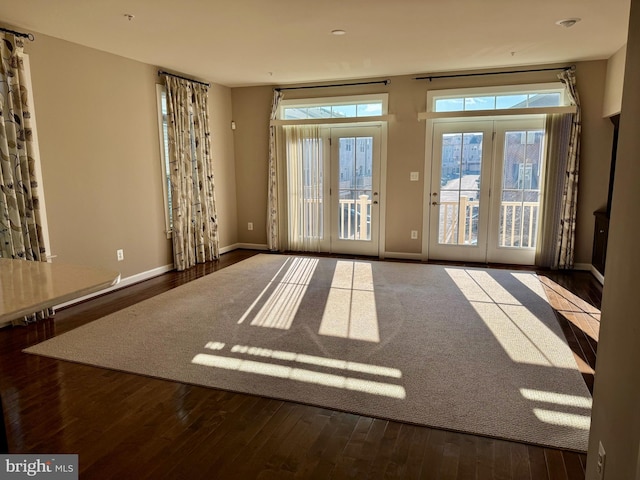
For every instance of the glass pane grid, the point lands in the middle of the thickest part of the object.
(355, 193)
(461, 164)
(499, 101)
(520, 207)
(355, 110)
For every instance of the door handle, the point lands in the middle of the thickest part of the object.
(435, 203)
(375, 202)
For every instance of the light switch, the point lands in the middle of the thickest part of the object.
(414, 176)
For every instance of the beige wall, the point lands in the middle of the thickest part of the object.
(406, 150)
(97, 125)
(616, 408)
(224, 166)
(613, 86)
(595, 155)
(251, 110)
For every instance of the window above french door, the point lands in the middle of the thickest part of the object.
(337, 205)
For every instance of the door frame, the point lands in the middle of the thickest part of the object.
(511, 255)
(456, 252)
(379, 135)
(429, 149)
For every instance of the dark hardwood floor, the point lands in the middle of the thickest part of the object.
(133, 427)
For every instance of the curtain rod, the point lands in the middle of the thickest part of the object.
(19, 34)
(162, 72)
(380, 82)
(431, 77)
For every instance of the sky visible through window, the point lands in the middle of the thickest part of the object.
(498, 102)
(355, 110)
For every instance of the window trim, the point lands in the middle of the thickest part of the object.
(341, 100)
(555, 87)
(160, 91)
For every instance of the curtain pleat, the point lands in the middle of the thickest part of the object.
(20, 218)
(557, 131)
(569, 204)
(304, 187)
(195, 223)
(273, 237)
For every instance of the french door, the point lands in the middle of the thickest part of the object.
(355, 185)
(486, 190)
(333, 178)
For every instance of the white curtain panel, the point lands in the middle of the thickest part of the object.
(273, 238)
(568, 208)
(558, 132)
(304, 187)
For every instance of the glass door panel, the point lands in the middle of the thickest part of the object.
(355, 168)
(518, 175)
(461, 160)
(355, 157)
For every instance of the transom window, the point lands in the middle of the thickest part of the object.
(361, 106)
(516, 97)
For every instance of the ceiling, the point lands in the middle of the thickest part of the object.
(254, 42)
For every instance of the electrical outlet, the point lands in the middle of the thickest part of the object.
(600, 462)
(120, 255)
(250, 226)
(414, 176)
(414, 234)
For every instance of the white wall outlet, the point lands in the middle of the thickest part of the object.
(414, 234)
(600, 462)
(414, 176)
(250, 226)
(120, 255)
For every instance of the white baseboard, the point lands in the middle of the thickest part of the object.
(597, 274)
(253, 246)
(125, 282)
(403, 256)
(228, 248)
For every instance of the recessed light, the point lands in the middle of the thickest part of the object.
(338, 32)
(568, 22)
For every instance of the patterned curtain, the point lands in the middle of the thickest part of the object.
(20, 219)
(273, 239)
(195, 222)
(569, 205)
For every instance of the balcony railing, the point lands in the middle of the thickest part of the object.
(518, 223)
(354, 217)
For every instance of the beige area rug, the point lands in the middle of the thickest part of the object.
(471, 350)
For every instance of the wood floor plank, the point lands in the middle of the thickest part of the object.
(468, 460)
(555, 464)
(485, 458)
(537, 462)
(129, 426)
(501, 460)
(433, 455)
(415, 458)
(399, 459)
(520, 461)
(572, 465)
